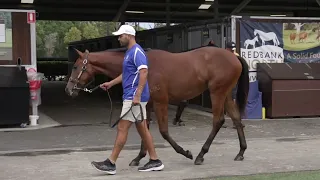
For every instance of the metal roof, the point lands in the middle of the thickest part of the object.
(156, 10)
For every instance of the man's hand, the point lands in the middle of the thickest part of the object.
(136, 100)
(106, 85)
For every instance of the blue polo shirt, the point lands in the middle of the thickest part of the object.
(134, 60)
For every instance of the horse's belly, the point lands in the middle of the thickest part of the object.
(180, 92)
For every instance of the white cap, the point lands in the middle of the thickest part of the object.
(125, 29)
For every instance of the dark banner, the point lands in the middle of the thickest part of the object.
(296, 42)
(260, 42)
(276, 42)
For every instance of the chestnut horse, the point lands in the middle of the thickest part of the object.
(175, 77)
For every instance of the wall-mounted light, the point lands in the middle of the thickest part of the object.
(204, 6)
(135, 12)
(278, 15)
(27, 1)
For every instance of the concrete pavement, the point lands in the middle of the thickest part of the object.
(82, 134)
(264, 155)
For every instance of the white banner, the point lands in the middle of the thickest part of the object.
(2, 33)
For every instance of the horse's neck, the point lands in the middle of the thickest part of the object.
(107, 63)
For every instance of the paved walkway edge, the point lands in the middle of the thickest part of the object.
(43, 122)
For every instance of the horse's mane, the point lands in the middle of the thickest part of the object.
(117, 50)
(123, 50)
(198, 48)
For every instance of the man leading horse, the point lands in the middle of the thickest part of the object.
(135, 92)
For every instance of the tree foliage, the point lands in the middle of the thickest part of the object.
(6, 16)
(74, 34)
(53, 36)
(90, 31)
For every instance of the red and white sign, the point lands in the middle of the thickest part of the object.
(32, 70)
(31, 17)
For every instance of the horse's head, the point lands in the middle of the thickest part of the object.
(82, 73)
(255, 32)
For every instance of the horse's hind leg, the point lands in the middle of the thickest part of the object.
(180, 109)
(217, 100)
(234, 114)
(142, 154)
(161, 111)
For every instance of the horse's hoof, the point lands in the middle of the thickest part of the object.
(181, 123)
(189, 154)
(174, 122)
(134, 163)
(199, 161)
(239, 158)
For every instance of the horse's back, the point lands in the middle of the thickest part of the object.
(191, 71)
(201, 59)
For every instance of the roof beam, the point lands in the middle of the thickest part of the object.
(292, 8)
(66, 10)
(163, 5)
(80, 3)
(121, 10)
(240, 7)
(93, 11)
(74, 17)
(184, 14)
(96, 17)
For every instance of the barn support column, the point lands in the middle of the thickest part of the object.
(222, 35)
(121, 11)
(240, 7)
(216, 9)
(228, 31)
(122, 20)
(168, 13)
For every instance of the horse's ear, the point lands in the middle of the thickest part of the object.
(87, 51)
(79, 52)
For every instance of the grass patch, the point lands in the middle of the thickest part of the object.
(309, 43)
(300, 175)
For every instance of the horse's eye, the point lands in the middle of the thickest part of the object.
(74, 67)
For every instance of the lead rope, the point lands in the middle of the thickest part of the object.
(111, 108)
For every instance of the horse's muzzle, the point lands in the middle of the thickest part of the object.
(70, 92)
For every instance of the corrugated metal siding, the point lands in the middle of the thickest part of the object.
(194, 39)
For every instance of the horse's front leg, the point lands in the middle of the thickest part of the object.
(161, 110)
(177, 119)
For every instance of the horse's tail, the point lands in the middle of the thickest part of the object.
(243, 86)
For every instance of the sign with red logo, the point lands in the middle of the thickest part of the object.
(31, 17)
